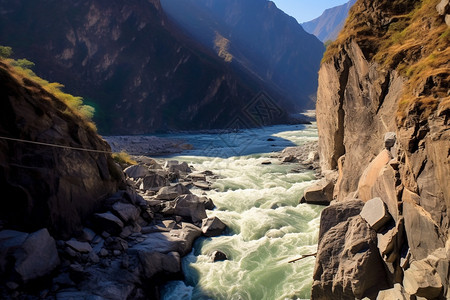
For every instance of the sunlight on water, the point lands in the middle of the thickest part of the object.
(266, 225)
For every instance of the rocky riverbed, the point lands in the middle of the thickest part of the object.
(135, 241)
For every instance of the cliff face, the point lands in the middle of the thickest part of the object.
(327, 26)
(126, 59)
(47, 186)
(383, 119)
(260, 39)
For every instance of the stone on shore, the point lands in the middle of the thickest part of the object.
(213, 227)
(82, 247)
(375, 213)
(320, 193)
(395, 293)
(37, 256)
(153, 182)
(171, 192)
(137, 171)
(153, 263)
(189, 206)
(108, 222)
(126, 212)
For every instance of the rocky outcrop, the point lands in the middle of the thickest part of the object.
(52, 187)
(138, 68)
(387, 133)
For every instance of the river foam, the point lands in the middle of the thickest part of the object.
(266, 225)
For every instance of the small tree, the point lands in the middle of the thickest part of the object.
(24, 63)
(5, 52)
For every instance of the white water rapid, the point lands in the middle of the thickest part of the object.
(266, 225)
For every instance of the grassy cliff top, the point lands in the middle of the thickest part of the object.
(408, 36)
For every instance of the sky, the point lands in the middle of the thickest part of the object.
(306, 10)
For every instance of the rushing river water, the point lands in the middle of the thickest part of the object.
(259, 204)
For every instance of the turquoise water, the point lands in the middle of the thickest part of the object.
(266, 225)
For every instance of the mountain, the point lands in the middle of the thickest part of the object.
(383, 109)
(254, 36)
(327, 26)
(140, 72)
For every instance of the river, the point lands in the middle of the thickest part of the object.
(259, 204)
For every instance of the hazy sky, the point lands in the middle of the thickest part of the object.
(306, 10)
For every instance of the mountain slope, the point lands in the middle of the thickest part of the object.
(126, 59)
(255, 36)
(327, 26)
(53, 187)
(383, 113)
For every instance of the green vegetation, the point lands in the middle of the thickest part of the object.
(123, 158)
(23, 69)
(416, 43)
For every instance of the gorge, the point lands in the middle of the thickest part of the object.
(221, 219)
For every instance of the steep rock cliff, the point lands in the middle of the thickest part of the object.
(46, 186)
(383, 117)
(259, 38)
(126, 59)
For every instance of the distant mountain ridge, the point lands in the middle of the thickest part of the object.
(137, 68)
(327, 26)
(255, 36)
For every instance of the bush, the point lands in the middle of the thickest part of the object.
(5, 52)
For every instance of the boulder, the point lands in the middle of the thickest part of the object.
(137, 171)
(422, 280)
(126, 212)
(175, 166)
(153, 263)
(153, 182)
(423, 234)
(370, 175)
(88, 235)
(37, 256)
(384, 188)
(320, 193)
(188, 233)
(209, 204)
(443, 7)
(218, 256)
(345, 254)
(10, 242)
(375, 213)
(390, 241)
(108, 222)
(389, 140)
(213, 227)
(289, 158)
(337, 213)
(197, 177)
(189, 206)
(82, 247)
(171, 192)
(397, 293)
(202, 185)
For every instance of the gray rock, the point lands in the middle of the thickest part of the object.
(422, 280)
(136, 171)
(320, 193)
(443, 7)
(88, 235)
(197, 177)
(337, 213)
(37, 256)
(171, 192)
(202, 185)
(82, 247)
(153, 182)
(209, 204)
(153, 263)
(345, 253)
(108, 222)
(395, 293)
(174, 166)
(10, 242)
(218, 256)
(189, 206)
(212, 227)
(389, 140)
(126, 212)
(375, 213)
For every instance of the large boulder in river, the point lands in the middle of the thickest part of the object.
(345, 254)
(171, 192)
(188, 206)
(56, 187)
(320, 193)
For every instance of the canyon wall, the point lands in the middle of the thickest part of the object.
(383, 118)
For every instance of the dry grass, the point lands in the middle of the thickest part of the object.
(21, 71)
(123, 158)
(416, 43)
(222, 45)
